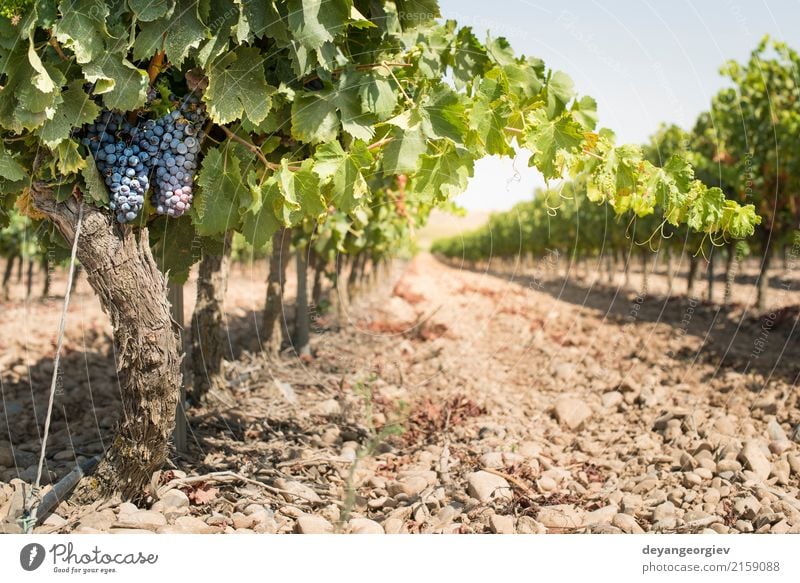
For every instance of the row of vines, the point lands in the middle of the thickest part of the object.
(742, 145)
(322, 129)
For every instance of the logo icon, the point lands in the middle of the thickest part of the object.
(31, 556)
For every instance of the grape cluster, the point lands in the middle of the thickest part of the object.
(125, 168)
(128, 156)
(173, 144)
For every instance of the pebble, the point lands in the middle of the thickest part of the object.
(627, 524)
(754, 459)
(297, 491)
(529, 525)
(747, 507)
(395, 526)
(313, 525)
(572, 412)
(794, 463)
(501, 524)
(144, 518)
(781, 470)
(174, 499)
(728, 465)
(365, 526)
(409, 486)
(485, 487)
(665, 510)
(602, 515)
(612, 399)
(546, 484)
(561, 516)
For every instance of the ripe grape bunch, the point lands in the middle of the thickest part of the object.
(173, 145)
(125, 168)
(128, 156)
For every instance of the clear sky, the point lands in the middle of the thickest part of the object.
(645, 62)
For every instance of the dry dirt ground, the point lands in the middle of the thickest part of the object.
(446, 400)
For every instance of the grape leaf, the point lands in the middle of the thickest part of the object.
(122, 85)
(548, 138)
(236, 86)
(76, 109)
(402, 153)
(10, 169)
(342, 170)
(178, 33)
(216, 205)
(314, 117)
(68, 158)
(82, 28)
(95, 191)
(315, 22)
(147, 10)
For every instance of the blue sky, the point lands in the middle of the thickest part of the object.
(643, 61)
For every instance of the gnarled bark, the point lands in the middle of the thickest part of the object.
(208, 331)
(132, 291)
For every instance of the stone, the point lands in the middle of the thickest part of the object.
(546, 484)
(754, 459)
(501, 524)
(664, 510)
(627, 524)
(601, 516)
(131, 530)
(485, 487)
(308, 524)
(560, 516)
(395, 526)
(612, 399)
(747, 507)
(175, 499)
(365, 526)
(101, 521)
(572, 412)
(781, 470)
(528, 525)
(794, 463)
(775, 431)
(54, 520)
(728, 465)
(127, 508)
(296, 491)
(144, 518)
(409, 486)
(6, 455)
(192, 524)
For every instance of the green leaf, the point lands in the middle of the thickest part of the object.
(314, 117)
(356, 121)
(122, 85)
(10, 169)
(147, 10)
(95, 191)
(300, 188)
(42, 79)
(549, 138)
(443, 115)
(560, 90)
(258, 18)
(445, 175)
(402, 154)
(584, 112)
(175, 248)
(181, 32)
(378, 96)
(237, 87)
(76, 110)
(69, 159)
(315, 22)
(82, 28)
(705, 211)
(343, 171)
(216, 206)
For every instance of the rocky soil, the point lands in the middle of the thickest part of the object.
(446, 401)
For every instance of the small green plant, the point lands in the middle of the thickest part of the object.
(375, 436)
